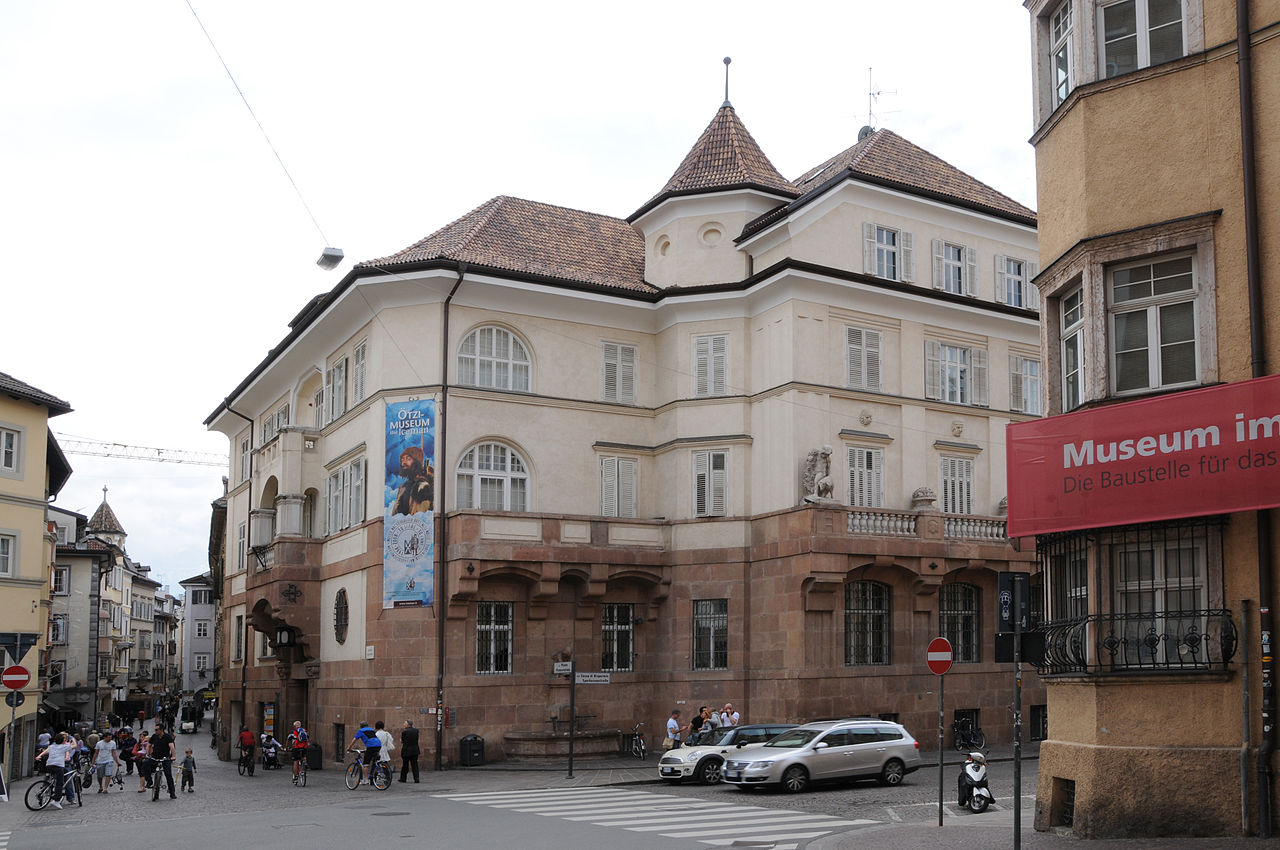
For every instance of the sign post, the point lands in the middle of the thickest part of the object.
(938, 656)
(15, 677)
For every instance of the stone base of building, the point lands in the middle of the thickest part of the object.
(1139, 792)
(593, 743)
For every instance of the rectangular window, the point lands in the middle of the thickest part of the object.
(358, 356)
(237, 640)
(242, 545)
(710, 365)
(710, 478)
(958, 619)
(60, 533)
(335, 390)
(866, 473)
(317, 404)
(282, 418)
(1139, 33)
(955, 373)
(866, 623)
(202, 597)
(1159, 593)
(61, 581)
(617, 487)
(201, 661)
(862, 353)
(346, 496)
(268, 428)
(1013, 283)
(202, 628)
(957, 485)
(616, 633)
(618, 373)
(265, 649)
(1153, 325)
(58, 630)
(887, 252)
(10, 452)
(493, 637)
(104, 668)
(1024, 384)
(1072, 335)
(1060, 61)
(955, 268)
(710, 634)
(8, 554)
(244, 459)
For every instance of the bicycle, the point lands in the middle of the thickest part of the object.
(300, 771)
(245, 765)
(637, 742)
(379, 773)
(157, 775)
(40, 794)
(967, 736)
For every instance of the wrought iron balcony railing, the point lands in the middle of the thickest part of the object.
(1163, 642)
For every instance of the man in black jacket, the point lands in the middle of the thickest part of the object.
(408, 750)
(162, 747)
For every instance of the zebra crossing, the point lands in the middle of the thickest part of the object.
(711, 822)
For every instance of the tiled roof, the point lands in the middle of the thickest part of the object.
(724, 156)
(104, 521)
(885, 155)
(535, 238)
(14, 387)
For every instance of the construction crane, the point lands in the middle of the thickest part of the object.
(98, 448)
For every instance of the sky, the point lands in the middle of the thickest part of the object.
(156, 248)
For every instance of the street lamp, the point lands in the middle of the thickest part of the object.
(284, 636)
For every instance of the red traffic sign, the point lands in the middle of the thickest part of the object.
(939, 655)
(15, 677)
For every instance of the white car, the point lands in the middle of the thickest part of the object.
(704, 761)
(831, 749)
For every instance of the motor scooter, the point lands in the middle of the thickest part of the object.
(972, 782)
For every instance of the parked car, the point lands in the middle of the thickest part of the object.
(704, 761)
(831, 749)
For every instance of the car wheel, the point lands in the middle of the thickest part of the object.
(892, 773)
(710, 772)
(795, 779)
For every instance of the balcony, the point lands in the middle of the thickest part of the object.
(1167, 642)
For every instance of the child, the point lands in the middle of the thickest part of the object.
(189, 773)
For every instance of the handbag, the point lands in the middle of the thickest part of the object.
(668, 742)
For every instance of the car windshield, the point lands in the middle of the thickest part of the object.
(727, 738)
(795, 738)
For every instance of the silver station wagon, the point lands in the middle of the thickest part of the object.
(827, 750)
(703, 762)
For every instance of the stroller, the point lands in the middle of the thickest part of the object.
(270, 754)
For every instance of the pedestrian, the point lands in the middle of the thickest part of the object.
(162, 750)
(141, 757)
(189, 773)
(126, 742)
(408, 751)
(695, 725)
(674, 730)
(388, 744)
(106, 761)
(44, 739)
(55, 756)
(729, 717)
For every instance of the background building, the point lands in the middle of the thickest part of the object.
(745, 445)
(198, 618)
(72, 662)
(1153, 162)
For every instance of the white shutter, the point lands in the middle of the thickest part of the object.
(1002, 263)
(932, 369)
(906, 257)
(865, 477)
(328, 395)
(854, 347)
(978, 372)
(702, 366)
(626, 488)
(872, 348)
(939, 267)
(1015, 383)
(318, 406)
(627, 374)
(719, 365)
(357, 376)
(719, 483)
(609, 486)
(1033, 292)
(970, 272)
(357, 491)
(609, 372)
(868, 247)
(701, 483)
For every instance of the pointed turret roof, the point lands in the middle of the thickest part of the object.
(104, 519)
(724, 157)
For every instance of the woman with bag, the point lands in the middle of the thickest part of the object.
(141, 751)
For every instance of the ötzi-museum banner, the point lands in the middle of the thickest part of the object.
(408, 492)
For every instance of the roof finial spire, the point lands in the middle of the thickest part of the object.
(727, 60)
(104, 492)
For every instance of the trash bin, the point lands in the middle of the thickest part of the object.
(315, 756)
(472, 751)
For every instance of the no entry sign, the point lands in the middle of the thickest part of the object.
(15, 677)
(939, 655)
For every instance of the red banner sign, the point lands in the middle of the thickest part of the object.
(1195, 453)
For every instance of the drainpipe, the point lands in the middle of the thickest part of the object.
(442, 543)
(244, 642)
(1258, 363)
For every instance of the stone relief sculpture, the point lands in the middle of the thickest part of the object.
(817, 482)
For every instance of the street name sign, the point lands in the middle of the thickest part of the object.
(561, 668)
(592, 679)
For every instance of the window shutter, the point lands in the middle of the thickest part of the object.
(868, 247)
(932, 369)
(970, 272)
(627, 374)
(854, 350)
(1033, 291)
(908, 259)
(702, 366)
(938, 270)
(609, 486)
(357, 377)
(357, 491)
(609, 372)
(978, 366)
(855, 479)
(324, 522)
(318, 403)
(1002, 263)
(719, 364)
(871, 340)
(626, 488)
(328, 395)
(719, 483)
(1015, 383)
(701, 470)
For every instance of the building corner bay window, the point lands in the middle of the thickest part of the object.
(1153, 324)
(495, 358)
(1060, 56)
(492, 477)
(1139, 33)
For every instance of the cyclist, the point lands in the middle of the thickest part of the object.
(246, 743)
(298, 741)
(55, 756)
(372, 749)
(162, 752)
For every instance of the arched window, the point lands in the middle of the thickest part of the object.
(958, 607)
(493, 357)
(867, 617)
(493, 477)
